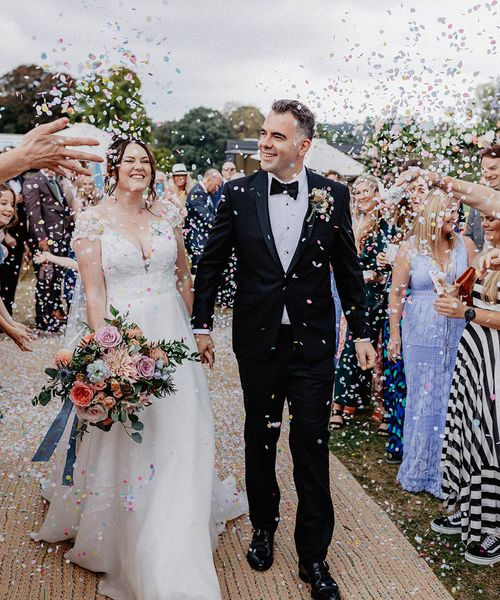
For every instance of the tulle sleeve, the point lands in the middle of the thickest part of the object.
(171, 213)
(88, 225)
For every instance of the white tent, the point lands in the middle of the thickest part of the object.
(322, 158)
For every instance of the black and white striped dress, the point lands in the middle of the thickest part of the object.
(471, 448)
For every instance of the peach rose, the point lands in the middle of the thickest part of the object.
(80, 377)
(81, 394)
(63, 358)
(100, 385)
(108, 402)
(117, 390)
(158, 354)
(86, 339)
(135, 332)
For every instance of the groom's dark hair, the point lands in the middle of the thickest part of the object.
(304, 116)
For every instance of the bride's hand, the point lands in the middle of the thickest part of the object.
(206, 348)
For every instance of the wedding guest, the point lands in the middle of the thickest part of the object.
(86, 193)
(474, 195)
(471, 446)
(179, 186)
(42, 148)
(201, 209)
(15, 240)
(490, 176)
(228, 170)
(18, 333)
(353, 386)
(334, 176)
(50, 226)
(403, 218)
(427, 341)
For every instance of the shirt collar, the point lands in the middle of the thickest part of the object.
(203, 187)
(301, 177)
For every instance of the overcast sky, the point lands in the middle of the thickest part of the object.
(346, 59)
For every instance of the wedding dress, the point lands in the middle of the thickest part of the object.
(146, 515)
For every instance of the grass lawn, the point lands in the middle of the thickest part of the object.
(362, 451)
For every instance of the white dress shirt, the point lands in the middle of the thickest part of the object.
(287, 218)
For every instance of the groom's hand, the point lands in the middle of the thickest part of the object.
(206, 348)
(366, 355)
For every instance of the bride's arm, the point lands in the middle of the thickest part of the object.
(88, 255)
(184, 279)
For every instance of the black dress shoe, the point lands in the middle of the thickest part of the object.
(260, 553)
(323, 586)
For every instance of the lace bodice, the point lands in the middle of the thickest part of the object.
(128, 273)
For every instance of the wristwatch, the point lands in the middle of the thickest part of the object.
(470, 315)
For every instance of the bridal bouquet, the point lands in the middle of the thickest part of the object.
(113, 374)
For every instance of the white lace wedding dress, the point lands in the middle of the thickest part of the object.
(146, 515)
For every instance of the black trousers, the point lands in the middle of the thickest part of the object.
(308, 389)
(49, 285)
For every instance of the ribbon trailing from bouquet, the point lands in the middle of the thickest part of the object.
(52, 438)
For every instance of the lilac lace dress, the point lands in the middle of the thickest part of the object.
(430, 344)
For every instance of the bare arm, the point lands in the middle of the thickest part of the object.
(62, 261)
(88, 254)
(452, 307)
(184, 279)
(399, 287)
(478, 196)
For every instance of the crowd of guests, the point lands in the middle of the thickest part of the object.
(438, 374)
(433, 311)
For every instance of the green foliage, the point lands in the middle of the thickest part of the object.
(198, 139)
(29, 95)
(113, 102)
(246, 122)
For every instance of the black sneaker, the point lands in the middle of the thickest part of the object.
(449, 525)
(485, 553)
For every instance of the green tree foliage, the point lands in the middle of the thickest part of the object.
(246, 121)
(198, 139)
(113, 102)
(29, 95)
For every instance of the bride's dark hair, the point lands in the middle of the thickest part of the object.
(114, 157)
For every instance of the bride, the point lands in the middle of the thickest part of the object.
(145, 515)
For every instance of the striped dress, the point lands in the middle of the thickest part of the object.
(471, 448)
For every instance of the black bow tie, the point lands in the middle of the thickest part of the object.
(292, 189)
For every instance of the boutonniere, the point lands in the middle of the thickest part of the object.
(321, 202)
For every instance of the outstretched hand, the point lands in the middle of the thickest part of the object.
(41, 148)
(206, 348)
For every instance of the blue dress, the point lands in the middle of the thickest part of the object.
(430, 342)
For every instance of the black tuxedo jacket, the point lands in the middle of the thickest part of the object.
(263, 287)
(199, 220)
(48, 218)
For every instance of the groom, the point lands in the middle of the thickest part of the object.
(287, 226)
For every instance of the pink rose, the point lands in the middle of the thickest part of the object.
(93, 414)
(108, 336)
(81, 394)
(146, 367)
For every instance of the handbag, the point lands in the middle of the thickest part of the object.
(465, 284)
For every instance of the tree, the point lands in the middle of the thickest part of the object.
(198, 139)
(113, 102)
(246, 121)
(29, 96)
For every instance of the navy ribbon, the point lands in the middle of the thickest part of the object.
(52, 438)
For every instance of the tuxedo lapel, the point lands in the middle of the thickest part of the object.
(261, 197)
(307, 225)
